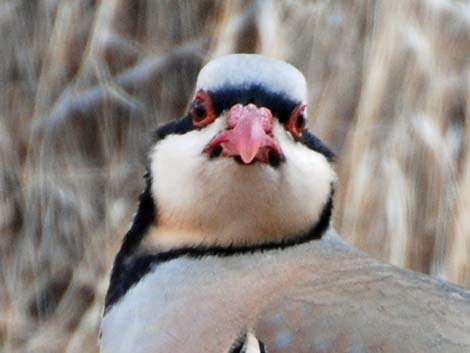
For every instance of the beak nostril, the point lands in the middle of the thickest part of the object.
(274, 158)
(238, 159)
(216, 151)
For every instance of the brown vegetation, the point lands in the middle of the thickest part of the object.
(83, 83)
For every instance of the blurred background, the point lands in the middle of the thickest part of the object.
(83, 84)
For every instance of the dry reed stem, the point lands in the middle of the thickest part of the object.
(83, 84)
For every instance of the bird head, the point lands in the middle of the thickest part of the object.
(241, 168)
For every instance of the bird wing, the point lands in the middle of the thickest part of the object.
(362, 305)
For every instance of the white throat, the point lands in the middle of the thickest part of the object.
(220, 202)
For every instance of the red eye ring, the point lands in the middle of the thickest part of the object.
(297, 121)
(202, 110)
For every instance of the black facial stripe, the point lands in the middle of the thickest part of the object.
(238, 344)
(145, 216)
(280, 105)
(179, 127)
(314, 143)
(262, 347)
(129, 270)
(225, 98)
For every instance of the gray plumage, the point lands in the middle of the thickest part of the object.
(317, 297)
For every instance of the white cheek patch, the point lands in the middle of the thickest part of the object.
(177, 163)
(219, 201)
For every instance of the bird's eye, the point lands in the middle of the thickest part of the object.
(199, 111)
(202, 110)
(297, 121)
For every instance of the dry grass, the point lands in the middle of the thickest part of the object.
(84, 82)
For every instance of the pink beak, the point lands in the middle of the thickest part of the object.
(247, 135)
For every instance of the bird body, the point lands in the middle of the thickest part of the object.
(232, 250)
(320, 296)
